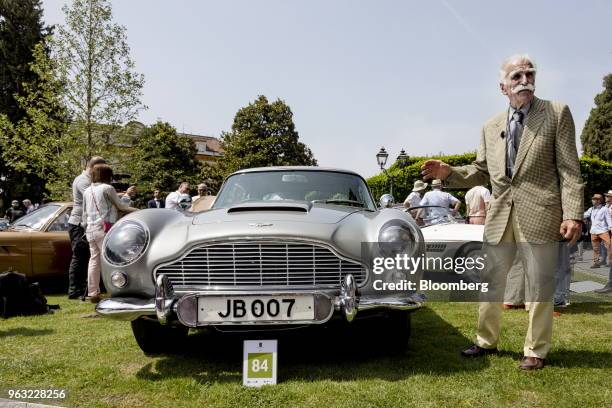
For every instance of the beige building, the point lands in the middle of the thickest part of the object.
(209, 148)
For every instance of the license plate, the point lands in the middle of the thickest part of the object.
(255, 308)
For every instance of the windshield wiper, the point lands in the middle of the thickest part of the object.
(340, 202)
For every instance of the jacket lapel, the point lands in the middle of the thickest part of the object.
(499, 131)
(532, 125)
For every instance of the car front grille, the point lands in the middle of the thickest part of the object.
(261, 264)
(435, 247)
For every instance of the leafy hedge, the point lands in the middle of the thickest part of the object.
(596, 173)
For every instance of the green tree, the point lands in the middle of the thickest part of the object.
(103, 91)
(40, 143)
(263, 134)
(21, 28)
(596, 136)
(161, 159)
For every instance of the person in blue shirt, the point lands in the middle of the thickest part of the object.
(601, 225)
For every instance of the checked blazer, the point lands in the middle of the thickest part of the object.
(546, 187)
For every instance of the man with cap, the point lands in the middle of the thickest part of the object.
(14, 212)
(414, 198)
(601, 225)
(440, 198)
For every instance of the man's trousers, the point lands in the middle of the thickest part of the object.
(539, 263)
(77, 272)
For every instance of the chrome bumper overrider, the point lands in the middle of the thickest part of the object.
(166, 303)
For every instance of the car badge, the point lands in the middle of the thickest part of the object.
(260, 224)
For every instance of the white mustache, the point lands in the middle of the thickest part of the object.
(521, 87)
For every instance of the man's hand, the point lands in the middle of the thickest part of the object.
(435, 169)
(571, 230)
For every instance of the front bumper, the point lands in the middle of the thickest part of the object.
(166, 304)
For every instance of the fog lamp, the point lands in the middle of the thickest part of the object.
(118, 279)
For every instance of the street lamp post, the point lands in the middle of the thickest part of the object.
(381, 158)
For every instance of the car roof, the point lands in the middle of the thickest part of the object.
(295, 168)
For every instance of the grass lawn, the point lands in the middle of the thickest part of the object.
(100, 365)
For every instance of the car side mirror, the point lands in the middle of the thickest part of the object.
(184, 202)
(386, 201)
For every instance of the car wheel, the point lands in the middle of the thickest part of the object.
(396, 328)
(153, 338)
(471, 250)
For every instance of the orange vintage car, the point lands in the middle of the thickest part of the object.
(37, 244)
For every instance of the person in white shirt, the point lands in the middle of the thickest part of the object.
(172, 200)
(476, 200)
(101, 206)
(414, 198)
(608, 287)
(439, 198)
(28, 205)
(601, 225)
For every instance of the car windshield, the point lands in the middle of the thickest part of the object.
(37, 218)
(326, 187)
(433, 215)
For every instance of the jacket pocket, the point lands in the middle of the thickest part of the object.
(550, 199)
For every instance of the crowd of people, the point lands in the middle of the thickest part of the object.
(476, 200)
(96, 207)
(17, 210)
(597, 228)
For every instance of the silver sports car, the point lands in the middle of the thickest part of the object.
(280, 247)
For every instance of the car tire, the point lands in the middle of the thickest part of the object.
(396, 328)
(471, 250)
(153, 338)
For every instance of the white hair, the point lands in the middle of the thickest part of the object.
(515, 59)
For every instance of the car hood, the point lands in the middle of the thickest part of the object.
(453, 232)
(276, 212)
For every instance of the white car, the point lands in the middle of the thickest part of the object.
(446, 234)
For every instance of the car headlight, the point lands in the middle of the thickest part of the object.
(125, 243)
(396, 237)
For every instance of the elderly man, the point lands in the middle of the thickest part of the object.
(27, 203)
(173, 199)
(528, 153)
(77, 272)
(202, 192)
(415, 197)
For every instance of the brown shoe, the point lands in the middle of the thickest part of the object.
(477, 351)
(531, 363)
(94, 299)
(595, 266)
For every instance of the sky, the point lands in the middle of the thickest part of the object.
(358, 75)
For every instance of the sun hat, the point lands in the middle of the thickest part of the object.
(419, 186)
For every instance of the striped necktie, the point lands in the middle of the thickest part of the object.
(514, 139)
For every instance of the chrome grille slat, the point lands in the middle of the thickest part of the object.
(261, 264)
